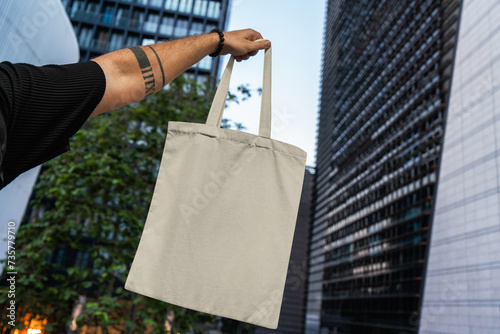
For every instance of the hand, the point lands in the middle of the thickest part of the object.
(240, 43)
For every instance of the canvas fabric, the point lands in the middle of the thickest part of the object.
(219, 231)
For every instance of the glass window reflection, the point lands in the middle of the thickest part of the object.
(181, 28)
(121, 17)
(213, 9)
(185, 6)
(156, 3)
(171, 4)
(148, 41)
(167, 26)
(196, 28)
(85, 37)
(116, 42)
(200, 7)
(151, 25)
(137, 19)
(77, 9)
(107, 17)
(132, 41)
(205, 63)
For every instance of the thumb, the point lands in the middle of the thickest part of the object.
(262, 44)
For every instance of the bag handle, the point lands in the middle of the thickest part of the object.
(217, 109)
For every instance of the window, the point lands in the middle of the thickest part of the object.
(205, 63)
(101, 41)
(210, 27)
(200, 7)
(116, 42)
(92, 7)
(121, 17)
(77, 9)
(213, 9)
(151, 24)
(167, 26)
(82, 260)
(185, 6)
(60, 255)
(148, 41)
(156, 3)
(137, 20)
(171, 4)
(85, 37)
(107, 17)
(92, 11)
(132, 41)
(196, 28)
(181, 29)
(189, 77)
(201, 79)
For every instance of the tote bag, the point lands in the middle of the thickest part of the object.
(219, 231)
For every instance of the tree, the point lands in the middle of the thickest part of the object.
(90, 205)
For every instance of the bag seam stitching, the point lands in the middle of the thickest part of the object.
(236, 141)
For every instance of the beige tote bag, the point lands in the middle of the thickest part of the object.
(219, 231)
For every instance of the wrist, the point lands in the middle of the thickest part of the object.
(219, 35)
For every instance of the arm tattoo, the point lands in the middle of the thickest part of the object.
(146, 69)
(159, 63)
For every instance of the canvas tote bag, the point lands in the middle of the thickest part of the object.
(219, 231)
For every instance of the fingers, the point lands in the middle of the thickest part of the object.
(265, 44)
(242, 44)
(245, 57)
(255, 35)
(241, 58)
(254, 49)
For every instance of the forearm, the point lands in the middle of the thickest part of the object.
(137, 72)
(134, 73)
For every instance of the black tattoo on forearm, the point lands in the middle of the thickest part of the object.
(146, 69)
(159, 63)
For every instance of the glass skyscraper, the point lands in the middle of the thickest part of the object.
(462, 285)
(386, 84)
(102, 26)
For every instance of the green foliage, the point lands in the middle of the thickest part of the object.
(93, 201)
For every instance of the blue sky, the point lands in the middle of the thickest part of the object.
(295, 29)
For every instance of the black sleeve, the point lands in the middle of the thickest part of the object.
(43, 107)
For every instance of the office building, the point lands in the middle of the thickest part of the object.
(386, 81)
(462, 285)
(108, 25)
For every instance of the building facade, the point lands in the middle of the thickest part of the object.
(386, 80)
(462, 285)
(103, 26)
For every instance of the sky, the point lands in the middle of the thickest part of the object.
(295, 28)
